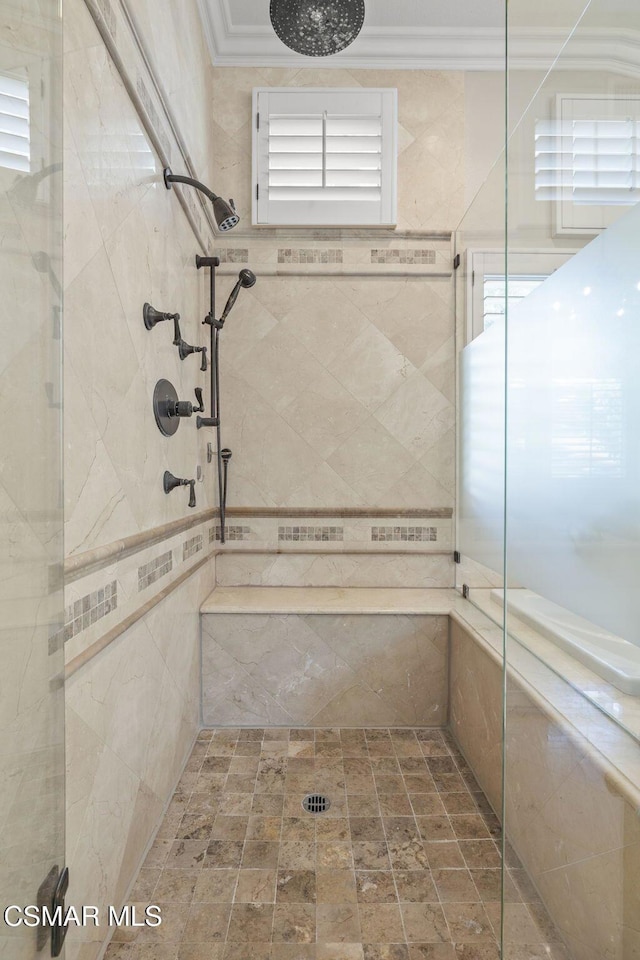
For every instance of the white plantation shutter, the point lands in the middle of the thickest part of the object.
(324, 156)
(14, 124)
(588, 159)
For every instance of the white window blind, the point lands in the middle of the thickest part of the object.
(324, 156)
(597, 161)
(14, 124)
(587, 160)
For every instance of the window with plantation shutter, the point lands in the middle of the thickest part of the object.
(324, 156)
(587, 160)
(14, 124)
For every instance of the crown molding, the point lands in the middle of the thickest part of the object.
(440, 48)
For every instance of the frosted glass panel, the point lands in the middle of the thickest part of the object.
(481, 495)
(573, 467)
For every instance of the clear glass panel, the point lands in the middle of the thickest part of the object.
(572, 751)
(31, 600)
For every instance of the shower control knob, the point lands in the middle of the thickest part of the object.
(168, 409)
(151, 316)
(169, 483)
(200, 407)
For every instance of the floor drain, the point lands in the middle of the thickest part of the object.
(316, 803)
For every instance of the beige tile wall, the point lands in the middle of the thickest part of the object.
(571, 824)
(324, 670)
(133, 710)
(338, 390)
(132, 716)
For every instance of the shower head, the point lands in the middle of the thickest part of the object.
(225, 213)
(246, 278)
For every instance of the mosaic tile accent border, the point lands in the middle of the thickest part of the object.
(310, 533)
(384, 534)
(83, 612)
(403, 256)
(148, 573)
(233, 255)
(230, 533)
(308, 255)
(192, 546)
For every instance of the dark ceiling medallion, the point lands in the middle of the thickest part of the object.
(317, 28)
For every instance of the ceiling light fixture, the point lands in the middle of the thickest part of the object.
(317, 28)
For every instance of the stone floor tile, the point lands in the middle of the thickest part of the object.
(216, 886)
(229, 828)
(425, 922)
(381, 922)
(296, 886)
(371, 855)
(294, 922)
(428, 804)
(335, 853)
(297, 855)
(385, 951)
(260, 854)
(435, 828)
(223, 853)
(207, 922)
(338, 923)
(468, 922)
(455, 886)
(255, 886)
(375, 886)
(250, 922)
(339, 951)
(247, 951)
(177, 885)
(432, 951)
(415, 886)
(264, 828)
(335, 886)
(444, 854)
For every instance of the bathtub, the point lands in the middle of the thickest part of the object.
(612, 658)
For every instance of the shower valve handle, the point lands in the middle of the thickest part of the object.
(169, 483)
(151, 316)
(200, 407)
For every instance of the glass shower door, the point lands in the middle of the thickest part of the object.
(31, 505)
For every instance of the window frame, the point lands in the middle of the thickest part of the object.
(322, 212)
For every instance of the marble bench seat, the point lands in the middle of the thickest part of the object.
(330, 600)
(325, 656)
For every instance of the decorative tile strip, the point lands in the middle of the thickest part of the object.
(233, 255)
(308, 255)
(403, 256)
(230, 533)
(82, 613)
(148, 573)
(310, 533)
(154, 119)
(192, 546)
(380, 534)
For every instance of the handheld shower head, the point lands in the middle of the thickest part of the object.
(246, 278)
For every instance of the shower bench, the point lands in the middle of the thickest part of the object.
(325, 656)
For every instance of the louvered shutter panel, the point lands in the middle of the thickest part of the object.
(14, 124)
(325, 157)
(596, 161)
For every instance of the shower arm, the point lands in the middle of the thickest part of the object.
(214, 420)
